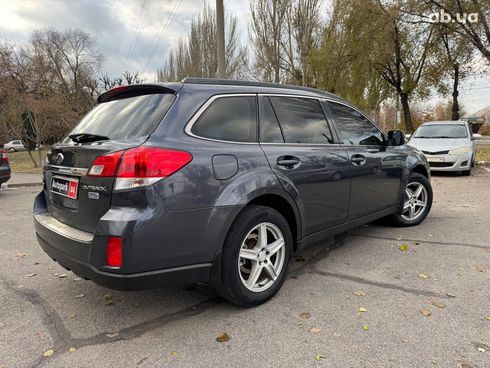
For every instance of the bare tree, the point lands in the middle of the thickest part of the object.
(475, 31)
(302, 34)
(267, 32)
(197, 55)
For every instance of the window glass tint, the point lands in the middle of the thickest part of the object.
(269, 127)
(302, 120)
(441, 131)
(354, 127)
(126, 118)
(229, 119)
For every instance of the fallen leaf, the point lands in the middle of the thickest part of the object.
(424, 276)
(315, 330)
(403, 247)
(480, 346)
(362, 310)
(77, 279)
(478, 268)
(48, 353)
(72, 350)
(62, 276)
(488, 318)
(31, 274)
(19, 256)
(437, 304)
(426, 312)
(305, 315)
(365, 328)
(174, 353)
(318, 357)
(72, 315)
(359, 293)
(108, 296)
(223, 337)
(80, 296)
(112, 334)
(450, 295)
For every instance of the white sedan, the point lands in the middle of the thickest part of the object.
(447, 145)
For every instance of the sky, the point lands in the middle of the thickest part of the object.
(138, 35)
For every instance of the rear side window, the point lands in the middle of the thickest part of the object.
(127, 117)
(270, 132)
(302, 120)
(229, 119)
(354, 127)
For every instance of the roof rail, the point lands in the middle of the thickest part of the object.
(235, 82)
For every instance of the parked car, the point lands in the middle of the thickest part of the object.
(14, 146)
(448, 145)
(218, 182)
(4, 166)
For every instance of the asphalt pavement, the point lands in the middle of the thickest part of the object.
(375, 297)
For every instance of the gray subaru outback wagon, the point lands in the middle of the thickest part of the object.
(218, 182)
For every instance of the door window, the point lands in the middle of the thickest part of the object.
(270, 132)
(302, 120)
(229, 119)
(354, 127)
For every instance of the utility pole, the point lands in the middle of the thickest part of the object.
(220, 23)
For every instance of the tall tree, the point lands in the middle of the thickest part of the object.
(474, 29)
(196, 56)
(267, 33)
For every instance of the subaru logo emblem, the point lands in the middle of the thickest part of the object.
(58, 159)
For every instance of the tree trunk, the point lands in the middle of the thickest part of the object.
(455, 107)
(407, 116)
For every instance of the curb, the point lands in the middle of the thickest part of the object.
(19, 185)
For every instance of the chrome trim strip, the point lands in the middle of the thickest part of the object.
(49, 222)
(203, 108)
(79, 171)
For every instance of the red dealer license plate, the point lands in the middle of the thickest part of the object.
(65, 186)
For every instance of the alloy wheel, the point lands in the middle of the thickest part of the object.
(261, 258)
(416, 201)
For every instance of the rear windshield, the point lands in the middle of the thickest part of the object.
(442, 131)
(131, 117)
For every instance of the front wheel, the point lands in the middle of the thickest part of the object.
(417, 201)
(255, 256)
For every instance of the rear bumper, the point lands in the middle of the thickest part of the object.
(137, 281)
(4, 174)
(160, 247)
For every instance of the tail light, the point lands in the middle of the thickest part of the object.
(114, 252)
(3, 156)
(140, 166)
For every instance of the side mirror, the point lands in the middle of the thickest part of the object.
(476, 136)
(396, 138)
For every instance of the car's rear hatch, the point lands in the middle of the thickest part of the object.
(123, 119)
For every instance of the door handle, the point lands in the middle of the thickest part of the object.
(358, 160)
(288, 161)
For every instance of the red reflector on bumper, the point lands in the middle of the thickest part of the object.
(114, 252)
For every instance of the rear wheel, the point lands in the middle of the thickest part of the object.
(255, 256)
(416, 202)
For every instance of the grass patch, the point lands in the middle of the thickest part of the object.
(21, 162)
(483, 154)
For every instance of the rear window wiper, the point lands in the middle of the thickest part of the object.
(87, 137)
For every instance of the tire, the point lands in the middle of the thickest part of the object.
(466, 172)
(243, 239)
(405, 218)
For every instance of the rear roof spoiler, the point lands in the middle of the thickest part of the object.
(138, 90)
